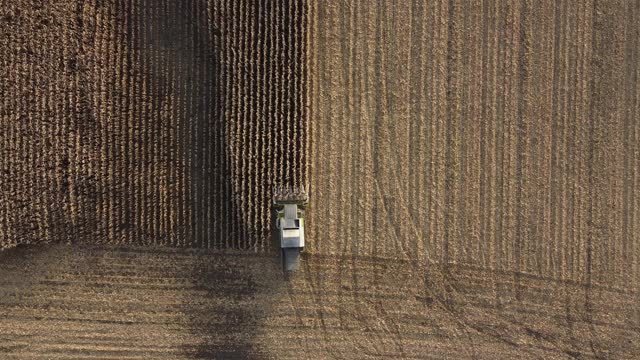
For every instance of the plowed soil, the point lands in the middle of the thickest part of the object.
(474, 171)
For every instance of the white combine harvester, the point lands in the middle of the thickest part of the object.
(289, 203)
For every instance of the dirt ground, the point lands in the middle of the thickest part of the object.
(474, 170)
(97, 302)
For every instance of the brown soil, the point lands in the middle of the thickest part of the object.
(65, 302)
(474, 171)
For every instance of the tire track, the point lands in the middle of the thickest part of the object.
(520, 146)
(554, 140)
(591, 160)
(491, 140)
(635, 200)
(572, 105)
(631, 113)
(451, 100)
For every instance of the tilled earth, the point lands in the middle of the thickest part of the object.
(133, 303)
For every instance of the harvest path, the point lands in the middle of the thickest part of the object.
(498, 137)
(483, 134)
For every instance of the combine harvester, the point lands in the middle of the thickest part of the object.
(289, 203)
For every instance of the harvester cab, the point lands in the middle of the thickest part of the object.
(289, 203)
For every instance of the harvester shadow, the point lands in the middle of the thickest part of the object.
(229, 291)
(239, 290)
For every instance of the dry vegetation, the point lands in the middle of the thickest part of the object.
(474, 171)
(149, 122)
